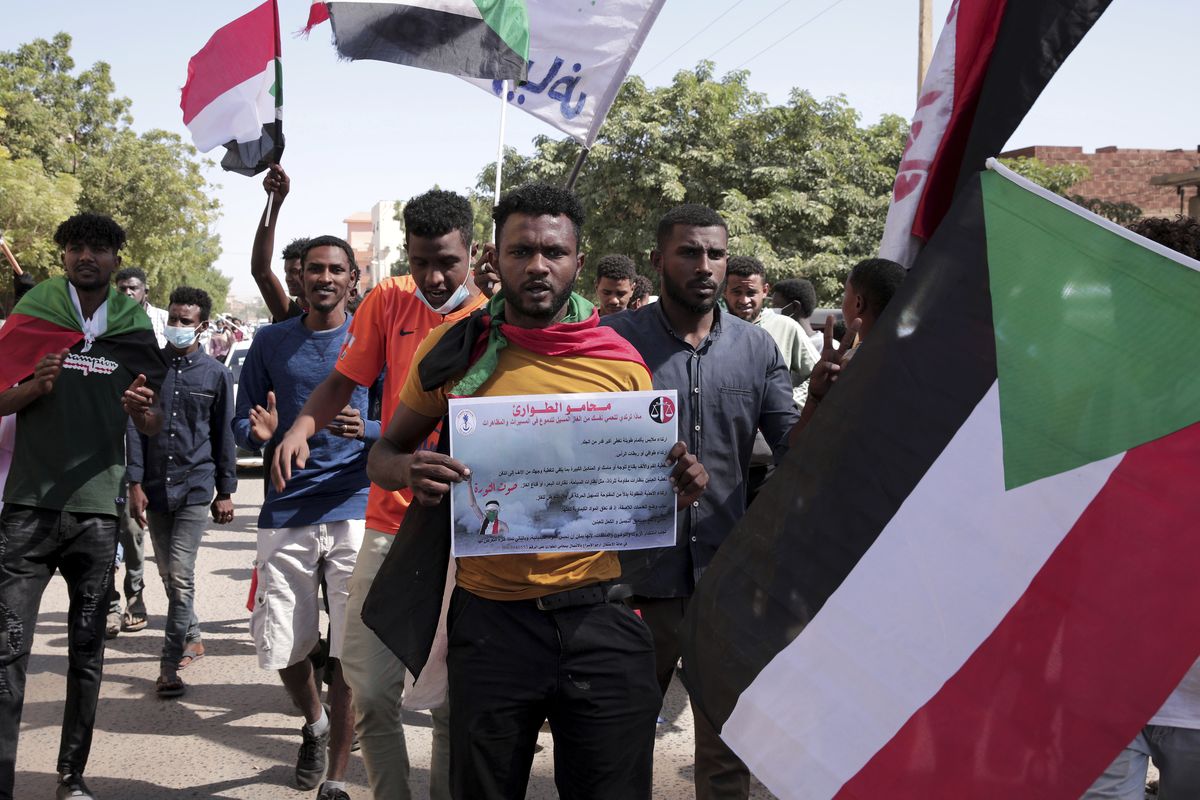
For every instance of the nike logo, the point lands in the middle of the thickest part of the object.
(406, 333)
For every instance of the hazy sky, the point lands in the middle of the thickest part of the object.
(362, 132)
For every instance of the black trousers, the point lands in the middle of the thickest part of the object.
(34, 542)
(589, 670)
(720, 774)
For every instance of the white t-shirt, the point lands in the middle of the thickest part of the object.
(1182, 709)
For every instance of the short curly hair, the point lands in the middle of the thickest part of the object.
(191, 296)
(615, 267)
(91, 229)
(295, 248)
(436, 213)
(799, 291)
(1181, 234)
(691, 214)
(642, 288)
(745, 267)
(540, 199)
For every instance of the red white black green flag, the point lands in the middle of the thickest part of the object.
(234, 92)
(469, 38)
(977, 568)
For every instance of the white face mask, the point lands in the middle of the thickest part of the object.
(454, 301)
(180, 338)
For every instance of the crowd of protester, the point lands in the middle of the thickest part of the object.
(343, 396)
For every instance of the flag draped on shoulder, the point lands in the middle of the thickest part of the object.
(469, 38)
(993, 59)
(579, 54)
(405, 601)
(980, 573)
(234, 92)
(46, 321)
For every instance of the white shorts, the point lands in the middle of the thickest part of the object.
(286, 621)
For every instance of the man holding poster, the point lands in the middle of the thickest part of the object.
(536, 635)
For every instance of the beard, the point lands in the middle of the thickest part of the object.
(557, 301)
(679, 294)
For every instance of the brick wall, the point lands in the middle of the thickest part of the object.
(1123, 174)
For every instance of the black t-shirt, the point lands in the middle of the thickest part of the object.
(69, 453)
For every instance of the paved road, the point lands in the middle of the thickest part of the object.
(234, 734)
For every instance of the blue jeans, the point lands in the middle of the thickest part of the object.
(176, 536)
(1176, 753)
(34, 542)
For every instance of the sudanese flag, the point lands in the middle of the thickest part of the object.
(976, 568)
(46, 321)
(469, 38)
(234, 92)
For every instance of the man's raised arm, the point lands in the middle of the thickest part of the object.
(395, 462)
(277, 185)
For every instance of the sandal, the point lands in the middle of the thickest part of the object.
(133, 621)
(193, 652)
(168, 686)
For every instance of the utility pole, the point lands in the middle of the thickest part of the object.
(924, 42)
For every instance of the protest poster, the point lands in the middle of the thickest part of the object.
(563, 472)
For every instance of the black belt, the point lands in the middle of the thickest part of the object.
(595, 594)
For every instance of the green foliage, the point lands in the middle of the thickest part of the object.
(32, 204)
(66, 146)
(152, 185)
(54, 116)
(1123, 213)
(802, 185)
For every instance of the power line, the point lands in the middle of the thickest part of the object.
(693, 37)
(793, 31)
(761, 20)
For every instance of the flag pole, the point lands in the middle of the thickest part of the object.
(277, 123)
(924, 42)
(500, 148)
(9, 257)
(574, 174)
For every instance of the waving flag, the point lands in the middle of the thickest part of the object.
(993, 59)
(470, 38)
(234, 92)
(981, 571)
(579, 54)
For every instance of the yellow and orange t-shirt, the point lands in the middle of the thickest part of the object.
(523, 372)
(387, 329)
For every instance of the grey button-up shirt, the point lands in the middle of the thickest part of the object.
(733, 384)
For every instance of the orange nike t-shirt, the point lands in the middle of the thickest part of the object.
(388, 327)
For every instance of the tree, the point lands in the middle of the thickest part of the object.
(70, 147)
(801, 185)
(54, 116)
(152, 185)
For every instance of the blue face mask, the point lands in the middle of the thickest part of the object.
(455, 300)
(180, 338)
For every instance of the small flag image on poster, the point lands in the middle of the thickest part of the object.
(563, 473)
